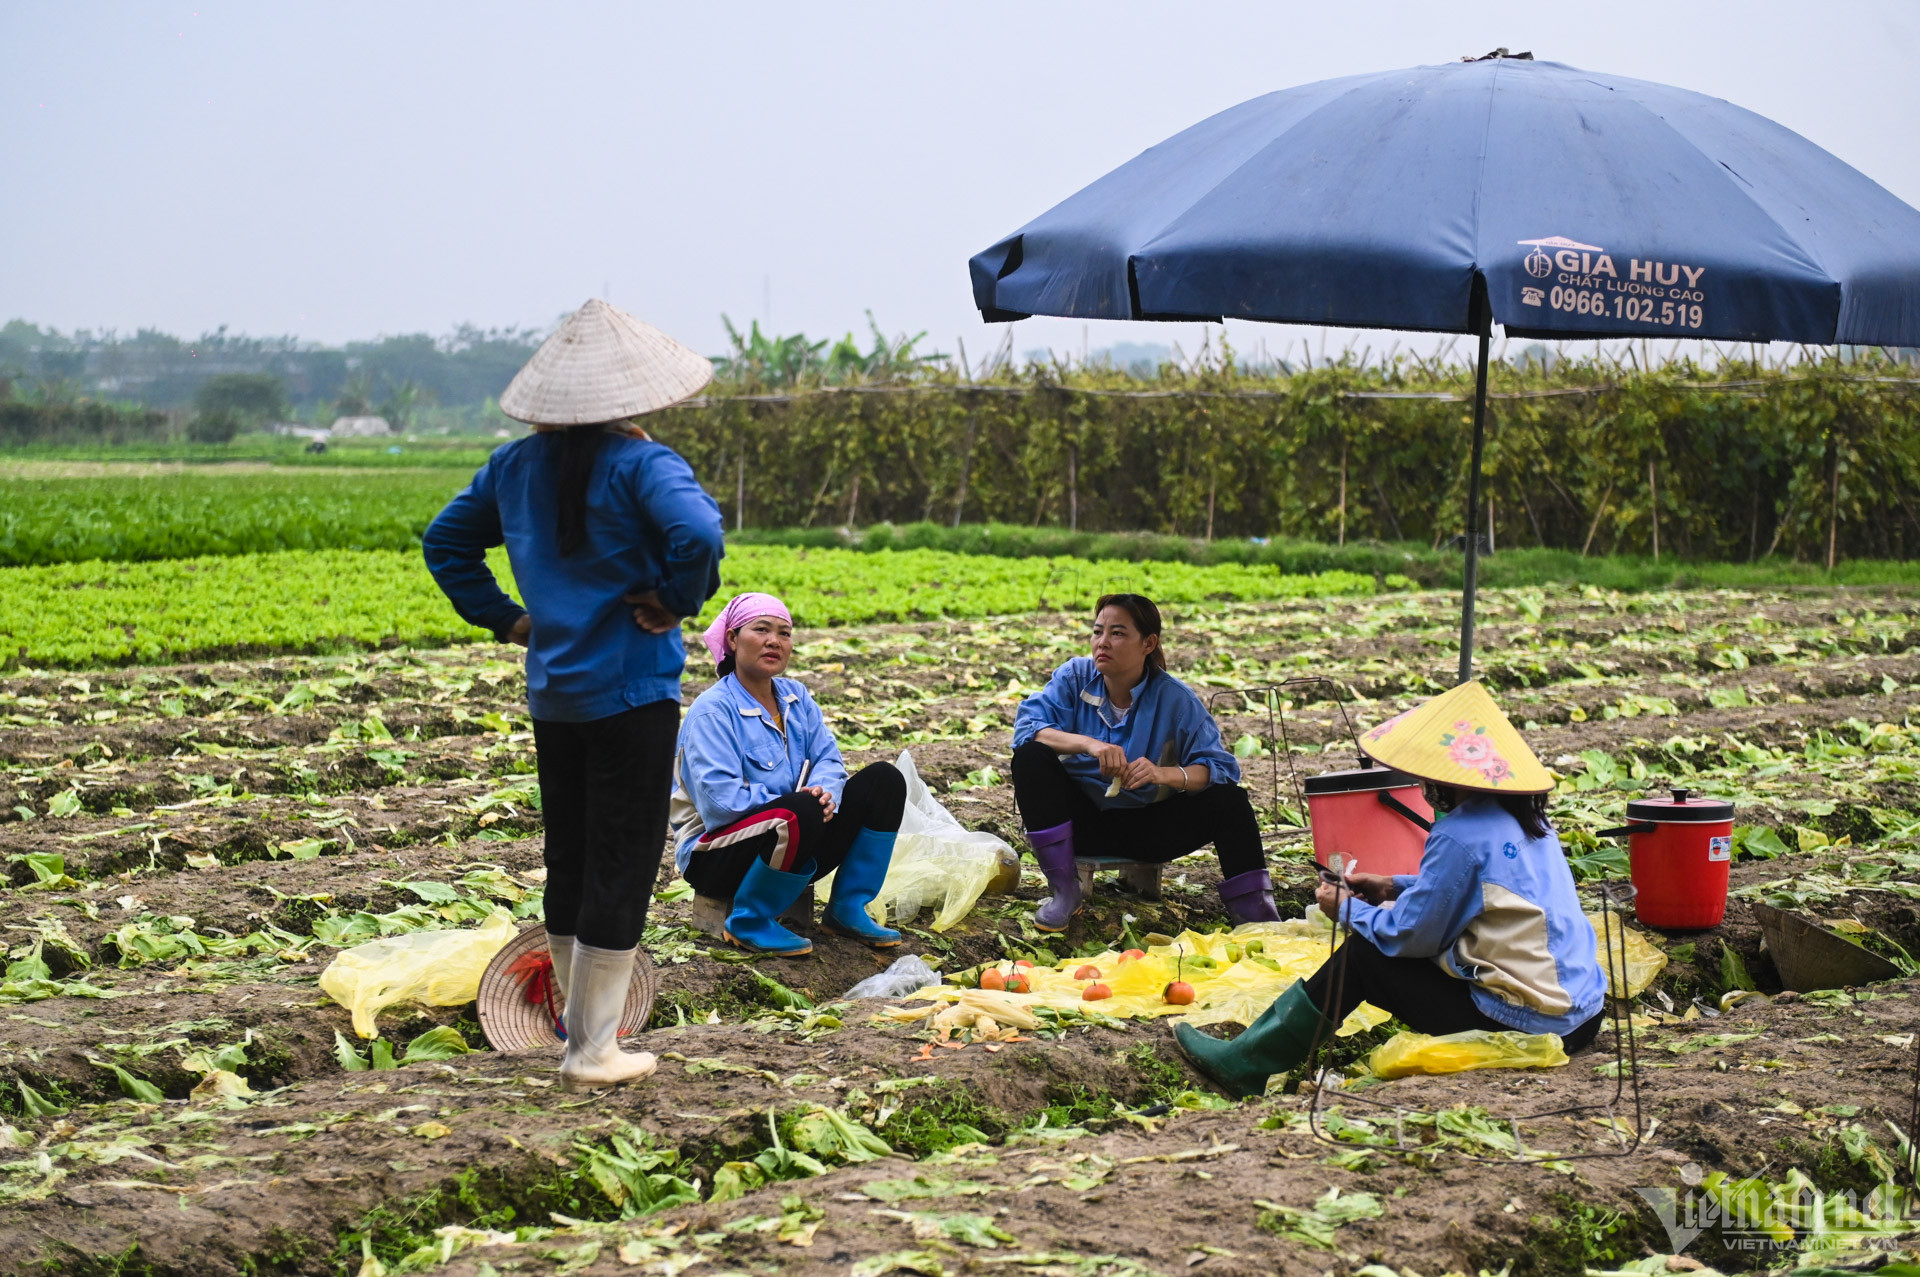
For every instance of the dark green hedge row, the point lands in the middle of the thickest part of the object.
(1737, 462)
(22, 422)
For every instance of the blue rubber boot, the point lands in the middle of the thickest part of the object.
(855, 883)
(764, 894)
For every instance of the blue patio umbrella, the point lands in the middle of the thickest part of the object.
(1557, 202)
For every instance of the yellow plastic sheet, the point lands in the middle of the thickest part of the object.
(1405, 1054)
(439, 968)
(1230, 985)
(1631, 951)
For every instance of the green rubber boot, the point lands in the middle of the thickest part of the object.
(1274, 1043)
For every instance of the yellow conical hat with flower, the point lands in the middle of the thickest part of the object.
(1459, 738)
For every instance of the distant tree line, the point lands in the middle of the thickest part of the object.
(1739, 460)
(469, 366)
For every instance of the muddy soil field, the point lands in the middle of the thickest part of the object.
(187, 848)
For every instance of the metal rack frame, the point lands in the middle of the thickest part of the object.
(1277, 726)
(1615, 897)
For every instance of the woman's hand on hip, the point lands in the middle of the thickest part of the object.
(522, 631)
(826, 800)
(649, 613)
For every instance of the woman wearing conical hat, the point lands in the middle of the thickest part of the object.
(612, 543)
(1488, 935)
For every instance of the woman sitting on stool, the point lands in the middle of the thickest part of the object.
(762, 804)
(1488, 935)
(1116, 757)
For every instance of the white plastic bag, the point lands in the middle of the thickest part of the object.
(936, 861)
(907, 975)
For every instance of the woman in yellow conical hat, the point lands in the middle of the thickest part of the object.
(1488, 935)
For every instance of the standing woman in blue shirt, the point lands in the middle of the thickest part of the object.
(1116, 757)
(1488, 935)
(762, 803)
(612, 542)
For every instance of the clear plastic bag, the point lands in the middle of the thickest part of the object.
(937, 861)
(1405, 1054)
(907, 975)
(439, 968)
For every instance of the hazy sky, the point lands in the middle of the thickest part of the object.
(341, 170)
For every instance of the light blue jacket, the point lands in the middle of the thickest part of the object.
(1495, 907)
(649, 527)
(1166, 723)
(732, 759)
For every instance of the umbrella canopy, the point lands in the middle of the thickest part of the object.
(1377, 201)
(1557, 202)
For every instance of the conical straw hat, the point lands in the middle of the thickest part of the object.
(518, 1007)
(603, 365)
(1459, 738)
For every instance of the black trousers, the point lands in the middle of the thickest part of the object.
(1426, 998)
(1159, 832)
(789, 832)
(604, 787)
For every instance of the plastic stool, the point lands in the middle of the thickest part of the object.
(1141, 877)
(710, 912)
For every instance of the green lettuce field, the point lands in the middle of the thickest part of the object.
(219, 771)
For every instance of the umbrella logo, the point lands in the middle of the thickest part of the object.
(1540, 264)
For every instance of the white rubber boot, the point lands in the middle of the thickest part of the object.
(561, 949)
(596, 995)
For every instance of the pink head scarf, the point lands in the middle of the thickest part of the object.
(740, 609)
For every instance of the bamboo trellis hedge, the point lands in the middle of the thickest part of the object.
(1814, 460)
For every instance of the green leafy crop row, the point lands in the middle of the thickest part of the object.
(76, 615)
(138, 517)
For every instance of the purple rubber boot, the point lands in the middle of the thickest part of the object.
(1248, 897)
(1053, 852)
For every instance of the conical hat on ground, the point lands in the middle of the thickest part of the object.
(519, 1007)
(602, 364)
(1459, 738)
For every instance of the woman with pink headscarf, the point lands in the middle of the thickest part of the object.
(762, 803)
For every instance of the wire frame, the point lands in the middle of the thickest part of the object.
(1615, 897)
(1913, 1119)
(1277, 727)
(1616, 900)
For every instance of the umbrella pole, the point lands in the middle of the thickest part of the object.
(1471, 581)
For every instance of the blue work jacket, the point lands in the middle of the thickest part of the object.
(1497, 908)
(732, 759)
(1167, 722)
(649, 527)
